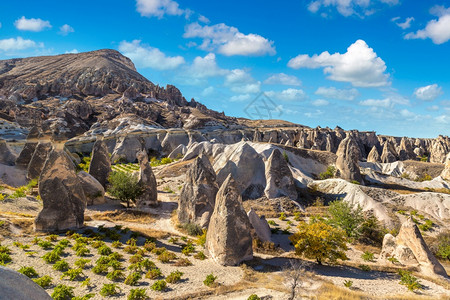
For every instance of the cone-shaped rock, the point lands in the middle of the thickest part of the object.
(260, 225)
(93, 190)
(6, 156)
(27, 152)
(374, 156)
(100, 165)
(14, 285)
(61, 193)
(347, 161)
(410, 248)
(198, 195)
(405, 152)
(387, 156)
(38, 160)
(446, 172)
(280, 181)
(228, 240)
(148, 181)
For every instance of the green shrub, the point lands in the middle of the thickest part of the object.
(135, 258)
(104, 250)
(84, 297)
(44, 281)
(368, 256)
(153, 273)
(51, 238)
(158, 251)
(149, 246)
(5, 249)
(408, 280)
(63, 292)
(348, 283)
(426, 226)
(137, 294)
(45, 245)
(51, 257)
(443, 246)
(272, 223)
(174, 277)
(124, 186)
(116, 275)
(201, 239)
(364, 268)
(393, 260)
(282, 216)
(82, 263)
(61, 265)
(159, 285)
(210, 280)
(28, 271)
(253, 297)
(133, 278)
(183, 262)
(100, 269)
(344, 216)
(166, 257)
(116, 244)
(130, 249)
(73, 274)
(20, 192)
(82, 251)
(115, 264)
(329, 173)
(192, 229)
(200, 255)
(109, 289)
(4, 258)
(188, 249)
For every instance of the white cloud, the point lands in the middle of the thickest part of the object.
(437, 30)
(347, 8)
(403, 25)
(408, 115)
(204, 67)
(428, 93)
(240, 81)
(288, 95)
(14, 44)
(334, 93)
(73, 51)
(388, 102)
(360, 65)
(443, 119)
(208, 91)
(32, 24)
(203, 19)
(229, 41)
(66, 29)
(320, 102)
(283, 79)
(433, 108)
(241, 98)
(158, 8)
(145, 56)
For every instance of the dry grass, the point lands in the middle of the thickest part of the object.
(124, 216)
(364, 248)
(174, 169)
(151, 233)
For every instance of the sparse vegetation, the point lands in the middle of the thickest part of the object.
(109, 289)
(159, 285)
(408, 280)
(344, 216)
(137, 294)
(329, 173)
(348, 283)
(210, 280)
(28, 271)
(63, 292)
(73, 274)
(44, 281)
(124, 186)
(133, 278)
(174, 276)
(153, 273)
(368, 256)
(61, 265)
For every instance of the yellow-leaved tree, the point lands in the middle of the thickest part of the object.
(320, 241)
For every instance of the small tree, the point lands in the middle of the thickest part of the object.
(320, 241)
(125, 187)
(343, 215)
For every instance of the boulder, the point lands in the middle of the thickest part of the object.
(178, 152)
(440, 147)
(6, 155)
(100, 165)
(228, 240)
(374, 156)
(14, 285)
(279, 179)
(25, 155)
(148, 181)
(126, 148)
(347, 162)
(446, 172)
(61, 193)
(38, 160)
(198, 194)
(387, 156)
(410, 249)
(93, 190)
(260, 225)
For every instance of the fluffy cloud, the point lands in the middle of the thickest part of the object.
(348, 7)
(66, 29)
(334, 93)
(428, 93)
(14, 44)
(148, 57)
(388, 102)
(241, 98)
(283, 79)
(73, 51)
(158, 8)
(288, 95)
(403, 25)
(204, 67)
(360, 65)
(437, 30)
(320, 102)
(229, 41)
(240, 81)
(32, 24)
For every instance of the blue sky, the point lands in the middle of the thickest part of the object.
(378, 65)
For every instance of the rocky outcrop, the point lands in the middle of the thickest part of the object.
(279, 179)
(93, 190)
(440, 147)
(148, 181)
(100, 165)
(38, 160)
(6, 155)
(178, 152)
(25, 155)
(14, 285)
(374, 156)
(347, 161)
(446, 173)
(61, 193)
(387, 156)
(228, 240)
(260, 226)
(409, 248)
(198, 194)
(405, 151)
(126, 149)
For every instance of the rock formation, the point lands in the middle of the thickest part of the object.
(25, 155)
(100, 165)
(14, 285)
(6, 156)
(440, 147)
(347, 161)
(279, 180)
(374, 156)
(410, 249)
(260, 225)
(446, 173)
(198, 194)
(228, 240)
(126, 149)
(405, 150)
(387, 156)
(38, 160)
(148, 181)
(61, 193)
(93, 190)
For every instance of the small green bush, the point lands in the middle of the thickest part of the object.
(116, 244)
(188, 249)
(45, 244)
(365, 268)
(135, 259)
(82, 251)
(408, 280)
(44, 281)
(84, 297)
(329, 173)
(149, 246)
(200, 255)
(183, 262)
(5, 249)
(193, 229)
(73, 274)
(282, 216)
(393, 260)
(166, 257)
(253, 297)
(116, 275)
(133, 278)
(348, 283)
(109, 289)
(4, 258)
(51, 257)
(63, 292)
(153, 273)
(368, 256)
(272, 223)
(174, 277)
(82, 263)
(104, 250)
(98, 244)
(210, 280)
(61, 265)
(28, 271)
(137, 294)
(158, 251)
(159, 285)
